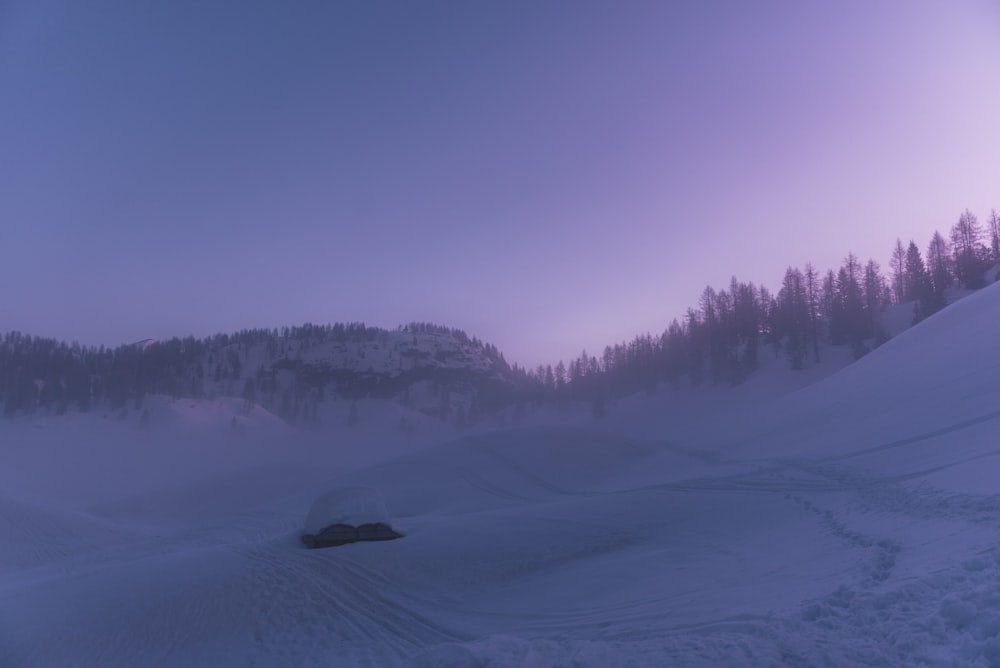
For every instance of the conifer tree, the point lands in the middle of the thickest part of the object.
(994, 225)
(919, 286)
(970, 255)
(696, 348)
(917, 280)
(793, 317)
(812, 303)
(874, 295)
(939, 266)
(898, 265)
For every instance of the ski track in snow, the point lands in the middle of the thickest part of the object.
(938, 620)
(334, 608)
(292, 607)
(312, 608)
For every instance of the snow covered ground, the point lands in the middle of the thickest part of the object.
(854, 521)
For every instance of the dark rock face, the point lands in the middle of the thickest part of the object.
(342, 534)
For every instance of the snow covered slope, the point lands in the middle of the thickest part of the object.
(851, 522)
(429, 369)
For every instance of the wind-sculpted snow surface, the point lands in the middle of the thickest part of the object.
(852, 523)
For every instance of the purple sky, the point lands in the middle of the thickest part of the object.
(547, 176)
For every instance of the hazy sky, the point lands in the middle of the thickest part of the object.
(548, 176)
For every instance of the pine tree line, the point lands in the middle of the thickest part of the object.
(48, 376)
(720, 341)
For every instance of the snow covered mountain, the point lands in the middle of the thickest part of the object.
(306, 374)
(296, 373)
(434, 370)
(850, 522)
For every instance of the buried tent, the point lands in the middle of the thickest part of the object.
(347, 515)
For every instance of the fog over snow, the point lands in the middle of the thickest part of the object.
(848, 521)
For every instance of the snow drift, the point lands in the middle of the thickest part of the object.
(354, 505)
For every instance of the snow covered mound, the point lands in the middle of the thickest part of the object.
(928, 385)
(354, 505)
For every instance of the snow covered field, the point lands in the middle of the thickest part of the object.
(854, 521)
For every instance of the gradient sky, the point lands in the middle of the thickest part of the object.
(548, 176)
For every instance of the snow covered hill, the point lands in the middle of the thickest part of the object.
(853, 521)
(432, 370)
(299, 374)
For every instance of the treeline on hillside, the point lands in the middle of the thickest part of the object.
(721, 340)
(42, 374)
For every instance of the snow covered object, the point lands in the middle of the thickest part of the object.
(347, 515)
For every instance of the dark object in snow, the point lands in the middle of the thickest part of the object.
(347, 515)
(342, 534)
